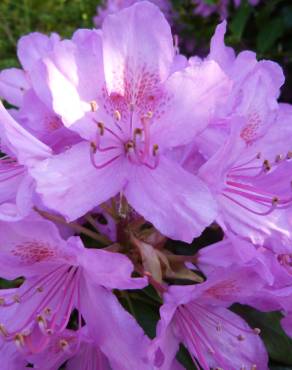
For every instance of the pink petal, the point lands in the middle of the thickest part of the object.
(177, 203)
(13, 84)
(138, 49)
(69, 184)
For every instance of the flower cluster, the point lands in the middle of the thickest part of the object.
(114, 143)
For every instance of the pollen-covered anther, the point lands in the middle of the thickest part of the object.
(93, 106)
(275, 201)
(41, 321)
(279, 158)
(267, 166)
(241, 337)
(155, 149)
(257, 331)
(137, 132)
(64, 344)
(289, 155)
(47, 311)
(117, 115)
(40, 289)
(93, 146)
(100, 126)
(129, 146)
(3, 331)
(19, 340)
(2, 301)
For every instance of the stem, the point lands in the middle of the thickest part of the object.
(74, 225)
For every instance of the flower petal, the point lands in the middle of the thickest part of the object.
(138, 49)
(177, 203)
(69, 184)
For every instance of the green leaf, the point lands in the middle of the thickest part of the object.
(269, 34)
(278, 344)
(185, 359)
(239, 21)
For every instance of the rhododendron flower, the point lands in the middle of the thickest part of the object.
(35, 120)
(251, 182)
(198, 317)
(61, 276)
(129, 108)
(255, 90)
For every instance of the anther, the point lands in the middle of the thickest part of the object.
(64, 344)
(267, 165)
(93, 106)
(275, 201)
(241, 337)
(117, 115)
(3, 330)
(100, 125)
(2, 301)
(40, 289)
(258, 156)
(129, 146)
(155, 149)
(149, 114)
(257, 331)
(254, 367)
(289, 155)
(19, 340)
(49, 331)
(93, 146)
(278, 158)
(41, 321)
(47, 311)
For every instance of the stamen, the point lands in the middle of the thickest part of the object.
(117, 115)
(19, 340)
(47, 311)
(289, 155)
(93, 106)
(93, 146)
(100, 125)
(40, 289)
(129, 146)
(279, 158)
(254, 367)
(2, 301)
(267, 165)
(64, 345)
(155, 149)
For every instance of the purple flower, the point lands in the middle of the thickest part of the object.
(198, 317)
(61, 276)
(120, 95)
